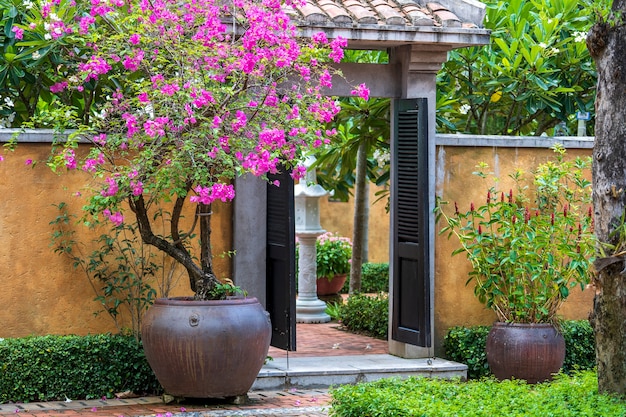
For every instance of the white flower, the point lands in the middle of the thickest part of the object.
(54, 16)
(47, 36)
(464, 109)
(543, 45)
(8, 101)
(580, 36)
(382, 157)
(554, 51)
(36, 55)
(28, 4)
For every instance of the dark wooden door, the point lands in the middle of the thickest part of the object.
(409, 205)
(281, 265)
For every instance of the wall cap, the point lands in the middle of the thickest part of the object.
(571, 142)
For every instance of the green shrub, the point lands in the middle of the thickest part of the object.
(580, 348)
(374, 278)
(77, 367)
(366, 314)
(566, 396)
(467, 345)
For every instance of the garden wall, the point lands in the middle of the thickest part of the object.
(41, 291)
(44, 294)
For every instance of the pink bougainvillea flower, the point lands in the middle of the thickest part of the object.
(361, 91)
(206, 195)
(117, 219)
(70, 159)
(19, 32)
(58, 87)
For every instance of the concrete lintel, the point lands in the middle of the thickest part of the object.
(381, 79)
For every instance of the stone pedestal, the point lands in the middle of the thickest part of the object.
(309, 308)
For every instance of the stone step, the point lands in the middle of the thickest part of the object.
(323, 372)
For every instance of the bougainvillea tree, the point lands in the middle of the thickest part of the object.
(197, 93)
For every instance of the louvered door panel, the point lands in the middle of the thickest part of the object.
(411, 300)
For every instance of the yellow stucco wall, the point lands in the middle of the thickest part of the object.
(42, 293)
(455, 304)
(338, 217)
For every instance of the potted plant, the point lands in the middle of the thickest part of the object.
(334, 253)
(181, 98)
(528, 246)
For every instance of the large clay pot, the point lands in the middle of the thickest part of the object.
(331, 286)
(206, 349)
(533, 352)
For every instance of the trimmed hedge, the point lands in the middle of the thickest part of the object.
(374, 278)
(50, 368)
(467, 345)
(566, 396)
(366, 314)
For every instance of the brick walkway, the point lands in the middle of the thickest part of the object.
(312, 340)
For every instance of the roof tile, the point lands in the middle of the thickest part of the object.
(395, 13)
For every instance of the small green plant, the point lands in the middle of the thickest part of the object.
(366, 314)
(530, 245)
(225, 290)
(333, 310)
(333, 255)
(566, 396)
(53, 368)
(467, 345)
(124, 273)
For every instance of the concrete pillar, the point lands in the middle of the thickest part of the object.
(249, 236)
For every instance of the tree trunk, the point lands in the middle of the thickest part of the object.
(360, 218)
(606, 44)
(201, 281)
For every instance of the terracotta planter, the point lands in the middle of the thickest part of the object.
(206, 349)
(332, 286)
(533, 352)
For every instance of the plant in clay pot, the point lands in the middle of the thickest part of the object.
(528, 245)
(184, 98)
(333, 256)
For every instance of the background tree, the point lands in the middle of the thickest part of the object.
(535, 73)
(606, 42)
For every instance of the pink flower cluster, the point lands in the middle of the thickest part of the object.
(217, 191)
(195, 98)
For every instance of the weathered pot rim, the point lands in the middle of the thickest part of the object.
(190, 302)
(505, 324)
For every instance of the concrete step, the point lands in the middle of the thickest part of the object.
(323, 372)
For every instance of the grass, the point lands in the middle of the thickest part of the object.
(566, 396)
